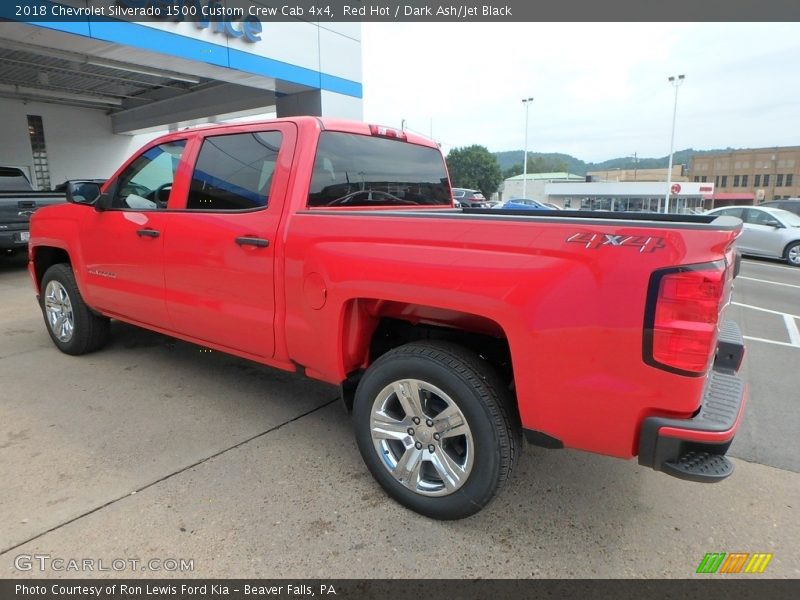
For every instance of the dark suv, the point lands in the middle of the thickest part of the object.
(470, 198)
(790, 204)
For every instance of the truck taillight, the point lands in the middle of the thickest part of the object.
(681, 320)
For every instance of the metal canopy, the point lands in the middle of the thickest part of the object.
(73, 79)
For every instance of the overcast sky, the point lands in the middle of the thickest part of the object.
(600, 90)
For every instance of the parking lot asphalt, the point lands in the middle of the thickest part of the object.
(766, 305)
(156, 449)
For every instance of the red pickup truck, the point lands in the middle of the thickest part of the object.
(333, 249)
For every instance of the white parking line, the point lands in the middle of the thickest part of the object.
(791, 327)
(788, 320)
(766, 310)
(791, 285)
(766, 264)
(755, 339)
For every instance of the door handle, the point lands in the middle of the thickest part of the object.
(147, 233)
(252, 241)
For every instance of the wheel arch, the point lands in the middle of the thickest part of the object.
(785, 252)
(44, 257)
(370, 328)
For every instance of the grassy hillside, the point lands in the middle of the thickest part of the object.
(579, 167)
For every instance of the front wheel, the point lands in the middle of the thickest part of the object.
(432, 425)
(792, 254)
(72, 325)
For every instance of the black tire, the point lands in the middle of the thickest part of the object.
(792, 254)
(89, 331)
(473, 387)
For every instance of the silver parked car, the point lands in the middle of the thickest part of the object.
(771, 232)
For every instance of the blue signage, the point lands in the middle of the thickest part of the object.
(205, 14)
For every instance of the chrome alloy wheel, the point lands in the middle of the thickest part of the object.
(59, 311)
(794, 255)
(422, 437)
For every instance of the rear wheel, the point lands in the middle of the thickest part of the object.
(792, 254)
(432, 425)
(72, 326)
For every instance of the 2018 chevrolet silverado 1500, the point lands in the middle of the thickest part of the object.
(332, 248)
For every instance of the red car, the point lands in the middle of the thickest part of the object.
(332, 248)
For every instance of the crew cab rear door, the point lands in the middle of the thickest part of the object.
(220, 250)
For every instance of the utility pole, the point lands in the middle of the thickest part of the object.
(676, 83)
(526, 102)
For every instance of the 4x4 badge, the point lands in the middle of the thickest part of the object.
(644, 243)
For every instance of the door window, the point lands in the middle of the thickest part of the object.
(234, 172)
(147, 182)
(757, 217)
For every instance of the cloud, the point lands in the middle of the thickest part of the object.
(600, 89)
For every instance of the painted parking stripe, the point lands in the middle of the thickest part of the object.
(791, 327)
(757, 339)
(791, 285)
(789, 321)
(766, 310)
(766, 264)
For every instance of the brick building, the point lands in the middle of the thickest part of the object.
(752, 175)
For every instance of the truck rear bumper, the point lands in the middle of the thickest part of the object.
(695, 448)
(13, 239)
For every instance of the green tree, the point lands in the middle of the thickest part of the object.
(513, 171)
(474, 167)
(544, 164)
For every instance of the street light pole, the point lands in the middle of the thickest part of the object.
(676, 83)
(526, 102)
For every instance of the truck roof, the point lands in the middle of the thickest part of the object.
(303, 122)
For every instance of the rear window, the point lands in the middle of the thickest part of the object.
(731, 212)
(359, 170)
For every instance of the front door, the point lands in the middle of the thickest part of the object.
(220, 249)
(123, 247)
(758, 237)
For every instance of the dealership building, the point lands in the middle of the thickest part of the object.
(77, 97)
(684, 197)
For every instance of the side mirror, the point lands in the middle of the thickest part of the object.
(773, 223)
(82, 192)
(103, 202)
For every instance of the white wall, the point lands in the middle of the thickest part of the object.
(512, 188)
(79, 140)
(341, 106)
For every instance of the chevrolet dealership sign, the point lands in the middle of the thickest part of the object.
(205, 14)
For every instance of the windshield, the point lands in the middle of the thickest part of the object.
(359, 170)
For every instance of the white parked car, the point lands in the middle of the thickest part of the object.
(770, 232)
